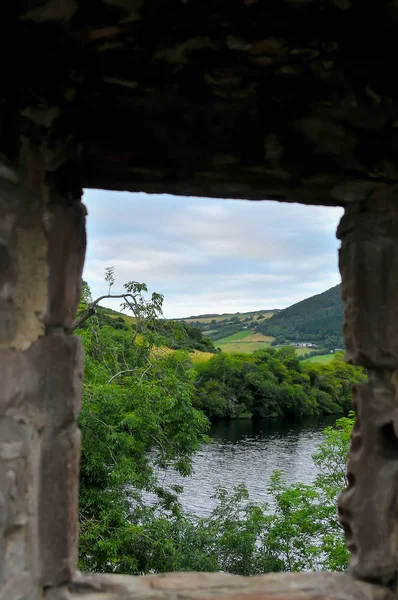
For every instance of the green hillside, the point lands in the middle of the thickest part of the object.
(318, 319)
(171, 334)
(220, 326)
(320, 358)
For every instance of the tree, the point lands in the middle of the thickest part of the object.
(137, 418)
(304, 530)
(274, 383)
(133, 299)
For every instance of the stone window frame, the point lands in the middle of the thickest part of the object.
(42, 248)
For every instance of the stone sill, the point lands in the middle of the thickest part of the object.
(218, 586)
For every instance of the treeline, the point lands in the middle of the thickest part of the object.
(270, 383)
(218, 329)
(273, 383)
(178, 335)
(318, 319)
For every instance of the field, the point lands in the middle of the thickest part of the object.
(301, 351)
(129, 319)
(321, 358)
(244, 342)
(217, 318)
(240, 335)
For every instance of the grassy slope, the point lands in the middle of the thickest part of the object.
(301, 351)
(314, 319)
(199, 357)
(321, 358)
(246, 344)
(245, 341)
(113, 314)
(196, 355)
(240, 335)
(267, 314)
(249, 348)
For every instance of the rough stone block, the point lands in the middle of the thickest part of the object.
(15, 378)
(43, 384)
(58, 505)
(369, 266)
(15, 552)
(8, 325)
(58, 361)
(66, 251)
(19, 451)
(21, 587)
(218, 586)
(368, 506)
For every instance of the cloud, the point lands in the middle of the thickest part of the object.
(208, 255)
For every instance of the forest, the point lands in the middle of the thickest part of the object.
(146, 407)
(273, 383)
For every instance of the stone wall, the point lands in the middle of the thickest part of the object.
(42, 245)
(218, 586)
(254, 99)
(293, 100)
(369, 267)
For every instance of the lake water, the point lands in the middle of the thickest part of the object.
(246, 452)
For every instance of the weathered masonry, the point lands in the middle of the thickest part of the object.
(293, 100)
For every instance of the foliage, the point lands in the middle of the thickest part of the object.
(140, 416)
(273, 383)
(318, 319)
(181, 336)
(301, 534)
(239, 536)
(147, 314)
(304, 529)
(137, 417)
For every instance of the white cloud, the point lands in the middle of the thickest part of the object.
(210, 255)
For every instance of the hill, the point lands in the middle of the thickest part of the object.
(318, 320)
(217, 318)
(220, 326)
(171, 335)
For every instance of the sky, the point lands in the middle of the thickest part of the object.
(208, 255)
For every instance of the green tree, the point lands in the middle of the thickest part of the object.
(274, 383)
(132, 299)
(304, 530)
(137, 418)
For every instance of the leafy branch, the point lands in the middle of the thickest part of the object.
(132, 299)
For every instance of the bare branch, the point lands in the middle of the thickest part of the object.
(91, 309)
(121, 373)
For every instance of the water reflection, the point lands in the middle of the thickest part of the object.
(246, 452)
